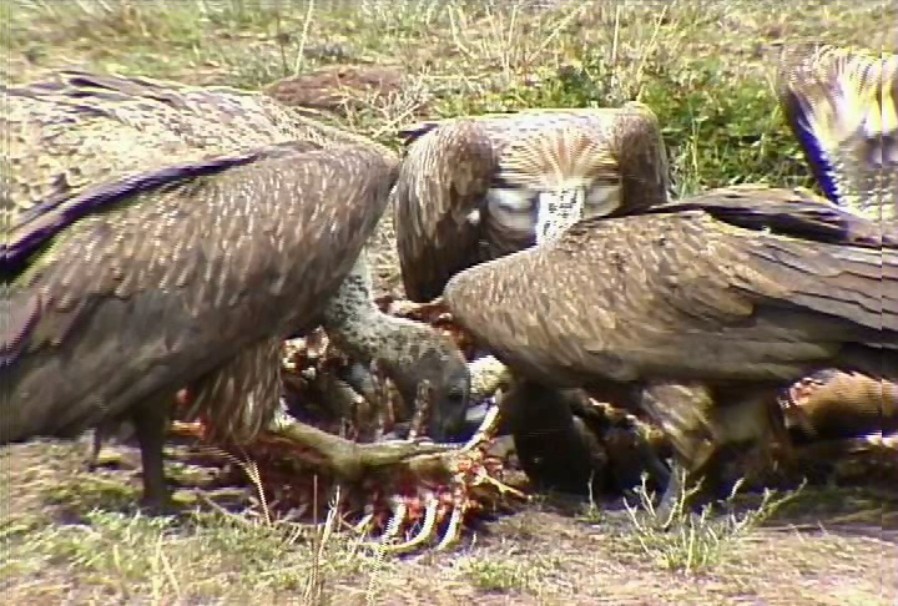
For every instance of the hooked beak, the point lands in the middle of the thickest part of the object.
(557, 210)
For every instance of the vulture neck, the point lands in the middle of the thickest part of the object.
(359, 328)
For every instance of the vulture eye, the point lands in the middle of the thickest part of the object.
(603, 198)
(513, 209)
(503, 199)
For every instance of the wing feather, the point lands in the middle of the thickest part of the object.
(442, 182)
(185, 276)
(679, 296)
(77, 129)
(842, 105)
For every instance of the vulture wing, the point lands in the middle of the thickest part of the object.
(842, 106)
(690, 294)
(171, 275)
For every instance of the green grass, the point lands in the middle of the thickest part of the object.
(705, 67)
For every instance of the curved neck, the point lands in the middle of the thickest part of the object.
(354, 322)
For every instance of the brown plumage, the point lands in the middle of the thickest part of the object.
(832, 404)
(731, 294)
(152, 248)
(472, 189)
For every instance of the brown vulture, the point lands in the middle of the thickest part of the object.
(160, 236)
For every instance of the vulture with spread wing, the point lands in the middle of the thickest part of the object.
(701, 310)
(160, 236)
(475, 188)
(842, 105)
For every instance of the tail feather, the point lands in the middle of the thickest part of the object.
(841, 105)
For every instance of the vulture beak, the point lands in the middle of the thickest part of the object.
(557, 210)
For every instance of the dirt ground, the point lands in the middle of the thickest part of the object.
(72, 537)
(829, 547)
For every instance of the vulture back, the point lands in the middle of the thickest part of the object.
(691, 291)
(136, 272)
(78, 129)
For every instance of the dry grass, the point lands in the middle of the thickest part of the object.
(705, 66)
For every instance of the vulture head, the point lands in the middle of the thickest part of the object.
(547, 180)
(475, 188)
(436, 372)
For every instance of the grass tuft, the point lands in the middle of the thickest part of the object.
(704, 66)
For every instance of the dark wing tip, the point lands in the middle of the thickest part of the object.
(788, 213)
(410, 134)
(833, 95)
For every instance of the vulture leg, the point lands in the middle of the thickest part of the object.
(700, 423)
(110, 430)
(150, 423)
(556, 449)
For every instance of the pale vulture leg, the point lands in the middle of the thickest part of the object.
(699, 427)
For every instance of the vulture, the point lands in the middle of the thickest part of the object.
(841, 105)
(698, 311)
(475, 188)
(743, 289)
(160, 236)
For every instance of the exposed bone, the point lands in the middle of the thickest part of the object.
(453, 530)
(395, 523)
(488, 375)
